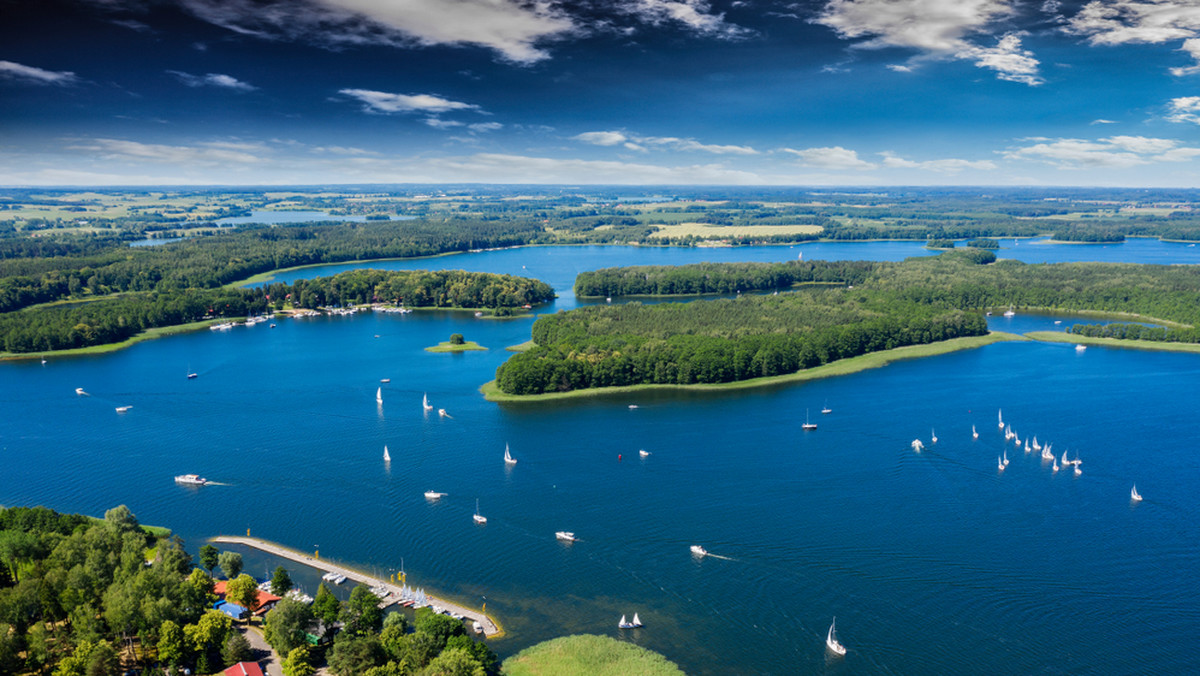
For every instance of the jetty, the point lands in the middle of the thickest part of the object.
(393, 595)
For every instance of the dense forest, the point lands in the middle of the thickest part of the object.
(724, 278)
(874, 306)
(117, 318)
(88, 597)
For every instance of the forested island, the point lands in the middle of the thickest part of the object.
(874, 306)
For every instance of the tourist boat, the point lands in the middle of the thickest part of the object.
(1134, 495)
(478, 518)
(643, 453)
(379, 395)
(425, 403)
(508, 459)
(917, 445)
(808, 425)
(699, 551)
(831, 641)
(933, 435)
(386, 457)
(566, 536)
(122, 409)
(623, 624)
(1080, 348)
(434, 495)
(974, 433)
(80, 392)
(191, 479)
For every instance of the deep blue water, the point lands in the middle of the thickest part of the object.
(932, 562)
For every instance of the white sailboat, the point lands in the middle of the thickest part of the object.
(1000, 417)
(623, 624)
(508, 459)
(442, 413)
(917, 445)
(808, 425)
(1078, 471)
(1036, 445)
(425, 402)
(1134, 495)
(974, 433)
(1005, 461)
(386, 456)
(1055, 465)
(831, 641)
(933, 435)
(379, 395)
(636, 622)
(999, 463)
(826, 410)
(1064, 459)
(478, 517)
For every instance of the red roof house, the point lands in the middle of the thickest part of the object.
(244, 669)
(262, 603)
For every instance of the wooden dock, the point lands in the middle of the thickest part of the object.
(490, 628)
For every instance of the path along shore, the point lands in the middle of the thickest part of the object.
(490, 628)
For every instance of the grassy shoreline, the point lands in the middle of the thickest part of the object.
(148, 334)
(1160, 346)
(841, 367)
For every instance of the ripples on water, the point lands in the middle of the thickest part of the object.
(932, 562)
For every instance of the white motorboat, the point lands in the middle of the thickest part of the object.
(434, 495)
(566, 536)
(191, 479)
(643, 453)
(442, 413)
(80, 392)
(831, 641)
(1080, 348)
(699, 551)
(122, 409)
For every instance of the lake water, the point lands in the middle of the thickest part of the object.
(279, 217)
(932, 562)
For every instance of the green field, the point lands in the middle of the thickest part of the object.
(588, 655)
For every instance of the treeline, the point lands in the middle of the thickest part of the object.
(702, 278)
(210, 262)
(117, 318)
(1122, 331)
(1087, 234)
(720, 340)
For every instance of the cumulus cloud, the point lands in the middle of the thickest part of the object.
(512, 28)
(943, 166)
(937, 29)
(31, 74)
(641, 143)
(386, 102)
(1113, 152)
(1120, 22)
(213, 80)
(835, 157)
(1184, 109)
(695, 15)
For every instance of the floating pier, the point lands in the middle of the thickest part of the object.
(393, 590)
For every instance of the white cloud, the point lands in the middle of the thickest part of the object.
(1113, 152)
(511, 28)
(493, 167)
(1120, 22)
(937, 29)
(485, 126)
(640, 143)
(1185, 109)
(219, 153)
(213, 80)
(438, 123)
(835, 157)
(694, 14)
(386, 102)
(1192, 47)
(943, 166)
(899, 68)
(17, 71)
(1102, 121)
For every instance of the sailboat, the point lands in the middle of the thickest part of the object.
(192, 375)
(623, 624)
(1064, 459)
(831, 641)
(1005, 461)
(478, 518)
(425, 402)
(933, 435)
(826, 410)
(379, 395)
(1134, 495)
(917, 445)
(1078, 471)
(442, 413)
(1000, 417)
(386, 457)
(1055, 465)
(808, 425)
(508, 459)
(974, 433)
(636, 622)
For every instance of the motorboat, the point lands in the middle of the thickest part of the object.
(566, 536)
(699, 551)
(191, 479)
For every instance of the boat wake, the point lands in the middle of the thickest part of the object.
(710, 555)
(216, 483)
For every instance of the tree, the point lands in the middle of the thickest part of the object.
(286, 626)
(454, 662)
(440, 627)
(122, 520)
(353, 655)
(10, 647)
(243, 591)
(170, 643)
(457, 339)
(208, 557)
(236, 649)
(362, 615)
(296, 662)
(230, 563)
(326, 606)
(281, 582)
(209, 632)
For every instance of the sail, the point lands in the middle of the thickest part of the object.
(386, 457)
(379, 394)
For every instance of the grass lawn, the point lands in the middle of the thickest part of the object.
(588, 655)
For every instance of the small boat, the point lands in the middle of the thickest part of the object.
(636, 622)
(339, 579)
(192, 375)
(643, 453)
(632, 406)
(831, 641)
(1055, 465)
(442, 413)
(566, 536)
(1027, 448)
(1005, 461)
(425, 403)
(917, 445)
(1080, 348)
(699, 551)
(1009, 312)
(80, 392)
(1134, 495)
(191, 479)
(122, 409)
(328, 577)
(385, 380)
(1000, 417)
(43, 361)
(379, 395)
(478, 628)
(478, 517)
(808, 425)
(623, 624)
(1058, 321)
(933, 435)
(386, 456)
(434, 495)
(1064, 459)
(999, 463)
(826, 410)
(508, 459)
(974, 433)
(1078, 471)
(1036, 445)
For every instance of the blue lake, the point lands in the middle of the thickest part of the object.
(932, 562)
(278, 217)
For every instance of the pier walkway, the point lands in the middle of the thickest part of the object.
(393, 590)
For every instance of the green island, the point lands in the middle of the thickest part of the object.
(588, 655)
(456, 344)
(875, 307)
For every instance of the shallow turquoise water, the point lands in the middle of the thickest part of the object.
(932, 562)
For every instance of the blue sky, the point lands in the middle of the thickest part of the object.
(821, 92)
